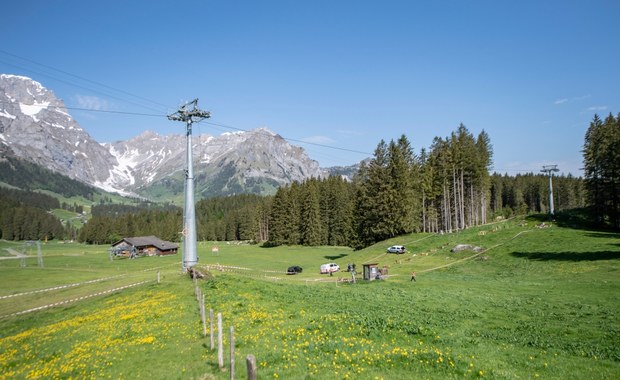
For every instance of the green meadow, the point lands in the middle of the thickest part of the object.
(534, 303)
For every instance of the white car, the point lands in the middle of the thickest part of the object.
(329, 268)
(397, 249)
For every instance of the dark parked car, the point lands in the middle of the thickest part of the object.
(294, 269)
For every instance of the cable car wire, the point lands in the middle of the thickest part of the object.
(160, 106)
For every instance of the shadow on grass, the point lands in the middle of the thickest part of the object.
(568, 256)
(607, 235)
(578, 219)
(336, 257)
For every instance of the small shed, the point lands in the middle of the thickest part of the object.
(371, 271)
(144, 246)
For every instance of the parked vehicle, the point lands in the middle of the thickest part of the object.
(294, 269)
(329, 268)
(398, 249)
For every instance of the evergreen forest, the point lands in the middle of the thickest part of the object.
(445, 188)
(601, 157)
(24, 216)
(25, 175)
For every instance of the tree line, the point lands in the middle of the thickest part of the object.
(601, 157)
(529, 193)
(24, 216)
(222, 218)
(447, 187)
(28, 176)
(112, 222)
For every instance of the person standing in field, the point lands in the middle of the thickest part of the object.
(413, 276)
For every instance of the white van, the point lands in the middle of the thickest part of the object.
(329, 268)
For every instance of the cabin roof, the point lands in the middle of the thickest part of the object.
(145, 241)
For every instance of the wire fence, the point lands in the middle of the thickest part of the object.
(81, 298)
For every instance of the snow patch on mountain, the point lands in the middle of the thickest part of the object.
(7, 115)
(36, 126)
(33, 109)
(122, 171)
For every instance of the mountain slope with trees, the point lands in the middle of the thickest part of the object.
(29, 176)
(24, 216)
(396, 192)
(445, 188)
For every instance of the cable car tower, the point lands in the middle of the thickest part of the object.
(189, 113)
(549, 169)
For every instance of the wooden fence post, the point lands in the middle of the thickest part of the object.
(211, 328)
(232, 353)
(203, 316)
(158, 277)
(250, 362)
(220, 343)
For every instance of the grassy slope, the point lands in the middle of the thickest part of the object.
(538, 303)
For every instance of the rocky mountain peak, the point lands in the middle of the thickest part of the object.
(36, 125)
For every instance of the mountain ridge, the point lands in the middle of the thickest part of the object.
(35, 125)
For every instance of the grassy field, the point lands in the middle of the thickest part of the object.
(536, 303)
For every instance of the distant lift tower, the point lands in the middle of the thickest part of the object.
(189, 113)
(550, 169)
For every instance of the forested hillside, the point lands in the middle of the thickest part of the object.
(529, 193)
(396, 192)
(446, 188)
(239, 217)
(111, 223)
(26, 213)
(24, 216)
(28, 176)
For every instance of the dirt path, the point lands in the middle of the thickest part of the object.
(16, 254)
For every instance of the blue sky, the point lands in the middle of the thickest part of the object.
(344, 74)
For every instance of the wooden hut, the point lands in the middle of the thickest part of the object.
(371, 271)
(144, 246)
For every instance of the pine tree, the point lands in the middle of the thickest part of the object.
(311, 226)
(340, 205)
(601, 155)
(278, 231)
(440, 160)
(294, 235)
(481, 177)
(376, 199)
(401, 168)
(496, 192)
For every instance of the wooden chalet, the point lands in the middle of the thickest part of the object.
(143, 246)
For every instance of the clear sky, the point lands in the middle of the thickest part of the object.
(344, 74)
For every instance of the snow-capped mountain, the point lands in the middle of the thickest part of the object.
(256, 161)
(35, 125)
